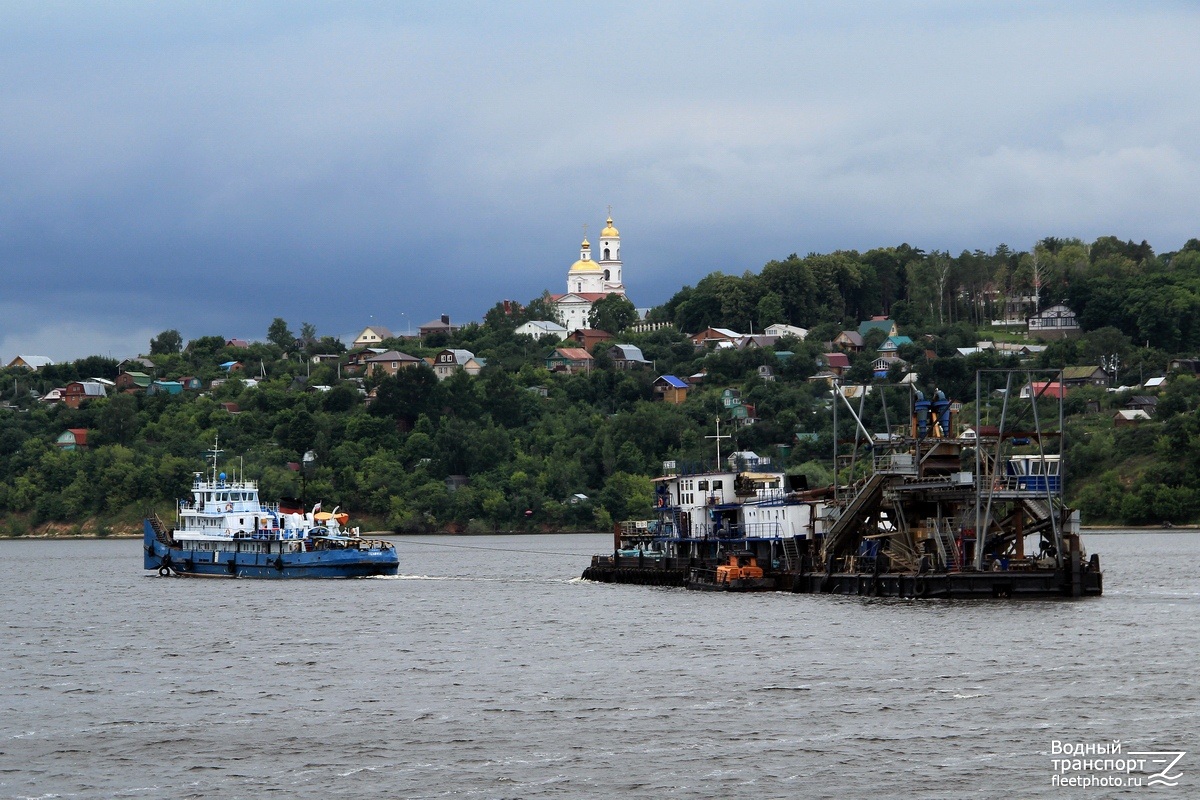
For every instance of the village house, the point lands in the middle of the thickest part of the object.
(834, 363)
(164, 387)
(670, 389)
(132, 381)
(540, 328)
(1126, 417)
(72, 439)
(1143, 402)
(1074, 377)
(569, 360)
(587, 338)
(1189, 366)
(391, 362)
(850, 341)
(450, 361)
(357, 359)
(782, 330)
(1047, 389)
(30, 362)
(882, 367)
(138, 363)
(627, 356)
(710, 337)
(1056, 322)
(893, 343)
(756, 341)
(877, 324)
(371, 336)
(439, 325)
(74, 394)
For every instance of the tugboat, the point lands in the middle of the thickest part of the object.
(224, 530)
(925, 512)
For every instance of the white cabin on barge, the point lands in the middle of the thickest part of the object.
(735, 505)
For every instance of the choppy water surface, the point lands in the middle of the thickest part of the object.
(488, 670)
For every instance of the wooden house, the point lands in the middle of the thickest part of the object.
(670, 389)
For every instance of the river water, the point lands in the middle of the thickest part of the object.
(488, 670)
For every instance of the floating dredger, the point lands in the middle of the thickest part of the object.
(924, 512)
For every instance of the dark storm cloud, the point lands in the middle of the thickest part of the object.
(192, 167)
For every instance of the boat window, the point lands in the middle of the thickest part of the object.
(717, 484)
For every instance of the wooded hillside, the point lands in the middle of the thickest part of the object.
(531, 449)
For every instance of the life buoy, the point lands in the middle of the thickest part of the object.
(229, 506)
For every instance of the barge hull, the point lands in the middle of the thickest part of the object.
(952, 585)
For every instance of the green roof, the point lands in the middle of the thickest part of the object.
(1078, 373)
(869, 325)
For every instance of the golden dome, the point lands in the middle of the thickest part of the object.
(609, 231)
(585, 266)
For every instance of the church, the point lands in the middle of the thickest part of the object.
(589, 280)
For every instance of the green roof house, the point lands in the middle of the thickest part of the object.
(877, 324)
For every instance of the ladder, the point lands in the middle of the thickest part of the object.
(160, 530)
(946, 546)
(791, 553)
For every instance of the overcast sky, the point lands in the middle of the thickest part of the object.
(210, 166)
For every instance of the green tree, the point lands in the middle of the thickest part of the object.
(280, 335)
(770, 311)
(627, 496)
(118, 419)
(613, 313)
(166, 343)
(308, 334)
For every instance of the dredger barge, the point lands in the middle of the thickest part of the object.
(926, 513)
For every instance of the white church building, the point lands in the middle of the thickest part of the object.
(590, 280)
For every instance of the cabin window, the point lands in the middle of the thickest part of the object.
(718, 484)
(703, 484)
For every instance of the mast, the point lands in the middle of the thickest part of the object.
(719, 437)
(214, 453)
